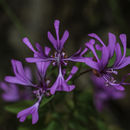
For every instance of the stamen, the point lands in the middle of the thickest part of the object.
(59, 58)
(112, 71)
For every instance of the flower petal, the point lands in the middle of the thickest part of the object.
(119, 87)
(123, 40)
(56, 25)
(73, 71)
(36, 59)
(35, 117)
(42, 67)
(65, 87)
(118, 55)
(11, 92)
(104, 59)
(124, 63)
(61, 84)
(28, 43)
(15, 80)
(90, 45)
(93, 35)
(91, 63)
(111, 45)
(19, 68)
(63, 39)
(47, 50)
(33, 110)
(52, 40)
(28, 73)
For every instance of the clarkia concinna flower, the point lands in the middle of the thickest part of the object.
(101, 65)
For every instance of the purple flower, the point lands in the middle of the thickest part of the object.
(101, 66)
(103, 94)
(33, 110)
(59, 57)
(22, 76)
(61, 84)
(12, 93)
(58, 43)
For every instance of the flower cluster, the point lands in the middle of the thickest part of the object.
(103, 94)
(43, 58)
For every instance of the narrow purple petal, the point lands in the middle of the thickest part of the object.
(123, 40)
(19, 68)
(42, 67)
(28, 43)
(54, 86)
(111, 45)
(56, 25)
(63, 39)
(35, 59)
(76, 59)
(39, 47)
(11, 92)
(84, 51)
(24, 112)
(35, 116)
(76, 54)
(104, 59)
(124, 63)
(73, 71)
(15, 80)
(4, 86)
(52, 40)
(118, 54)
(98, 47)
(90, 45)
(91, 63)
(47, 50)
(119, 87)
(28, 73)
(14, 66)
(93, 35)
(22, 119)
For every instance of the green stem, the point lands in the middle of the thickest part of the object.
(82, 73)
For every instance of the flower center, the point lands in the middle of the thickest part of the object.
(110, 81)
(59, 56)
(112, 71)
(43, 88)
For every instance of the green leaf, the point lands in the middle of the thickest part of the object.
(46, 100)
(101, 125)
(16, 107)
(54, 125)
(127, 52)
(23, 128)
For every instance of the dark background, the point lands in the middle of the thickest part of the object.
(33, 18)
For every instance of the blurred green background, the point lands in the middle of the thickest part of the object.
(33, 18)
